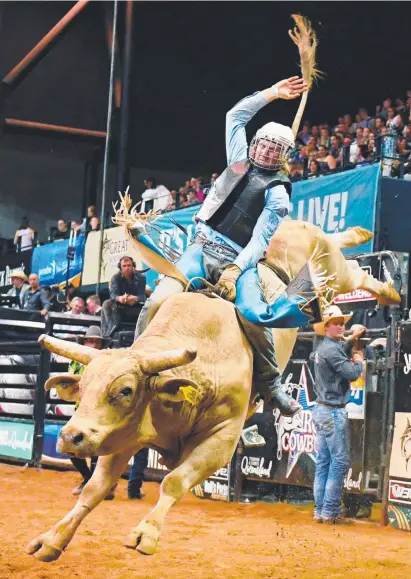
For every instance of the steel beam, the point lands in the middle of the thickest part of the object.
(22, 69)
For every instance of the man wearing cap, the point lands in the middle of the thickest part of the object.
(242, 211)
(19, 289)
(92, 339)
(336, 364)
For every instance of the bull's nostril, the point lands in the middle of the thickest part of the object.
(78, 439)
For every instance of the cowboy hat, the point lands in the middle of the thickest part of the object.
(95, 333)
(332, 313)
(20, 275)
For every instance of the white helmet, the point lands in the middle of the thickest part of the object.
(271, 146)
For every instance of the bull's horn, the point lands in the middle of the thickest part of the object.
(160, 361)
(77, 352)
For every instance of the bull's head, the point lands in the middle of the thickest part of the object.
(113, 394)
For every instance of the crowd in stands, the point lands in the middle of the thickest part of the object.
(323, 148)
(320, 149)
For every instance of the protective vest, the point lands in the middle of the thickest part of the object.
(243, 192)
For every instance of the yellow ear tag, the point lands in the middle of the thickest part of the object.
(189, 393)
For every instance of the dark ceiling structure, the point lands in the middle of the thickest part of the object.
(189, 63)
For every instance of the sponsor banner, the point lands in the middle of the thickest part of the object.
(116, 245)
(17, 408)
(357, 295)
(339, 201)
(12, 263)
(50, 262)
(16, 439)
(400, 492)
(216, 487)
(356, 404)
(400, 463)
(399, 517)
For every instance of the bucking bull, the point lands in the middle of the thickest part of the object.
(185, 386)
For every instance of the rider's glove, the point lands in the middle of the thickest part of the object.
(226, 284)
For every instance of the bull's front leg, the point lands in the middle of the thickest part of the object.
(49, 546)
(200, 460)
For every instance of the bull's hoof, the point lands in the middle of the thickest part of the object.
(144, 538)
(43, 551)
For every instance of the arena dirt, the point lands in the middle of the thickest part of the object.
(201, 539)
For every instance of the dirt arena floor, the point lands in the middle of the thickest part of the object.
(201, 539)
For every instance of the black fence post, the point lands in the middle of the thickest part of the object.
(39, 407)
(345, 156)
(238, 475)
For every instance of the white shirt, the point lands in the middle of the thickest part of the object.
(160, 196)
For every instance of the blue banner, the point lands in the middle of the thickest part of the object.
(336, 202)
(50, 262)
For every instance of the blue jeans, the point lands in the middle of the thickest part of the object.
(333, 459)
(136, 473)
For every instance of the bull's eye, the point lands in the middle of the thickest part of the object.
(126, 391)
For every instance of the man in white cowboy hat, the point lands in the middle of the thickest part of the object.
(19, 289)
(336, 364)
(242, 211)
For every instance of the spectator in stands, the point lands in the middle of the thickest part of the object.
(91, 222)
(36, 298)
(315, 131)
(304, 134)
(20, 288)
(336, 363)
(93, 305)
(92, 339)
(383, 111)
(327, 162)
(192, 198)
(156, 197)
(62, 231)
(335, 146)
(127, 295)
(77, 306)
(314, 168)
(199, 189)
(325, 137)
(183, 199)
(25, 237)
(366, 120)
(379, 122)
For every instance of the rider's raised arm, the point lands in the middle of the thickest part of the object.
(276, 207)
(237, 119)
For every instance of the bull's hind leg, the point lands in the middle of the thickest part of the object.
(49, 546)
(200, 460)
(383, 292)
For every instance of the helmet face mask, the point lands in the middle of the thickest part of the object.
(271, 146)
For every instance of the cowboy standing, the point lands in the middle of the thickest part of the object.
(336, 364)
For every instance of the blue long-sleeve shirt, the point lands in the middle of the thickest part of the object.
(334, 371)
(276, 198)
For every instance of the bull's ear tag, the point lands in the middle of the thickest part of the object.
(189, 393)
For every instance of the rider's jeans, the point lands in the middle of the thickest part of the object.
(209, 261)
